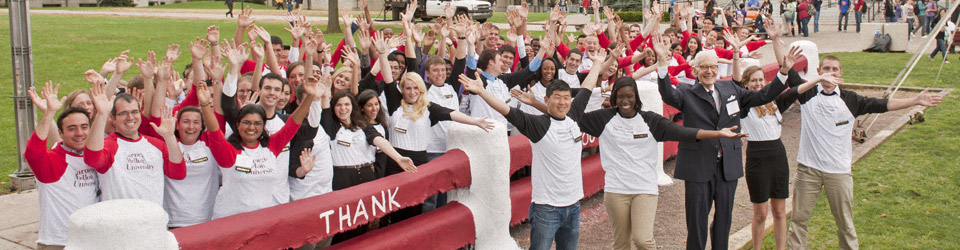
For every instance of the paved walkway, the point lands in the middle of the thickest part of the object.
(18, 229)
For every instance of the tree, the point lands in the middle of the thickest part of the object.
(333, 17)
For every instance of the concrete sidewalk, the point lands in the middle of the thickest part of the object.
(21, 213)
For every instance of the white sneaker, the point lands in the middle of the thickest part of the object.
(923, 37)
(947, 61)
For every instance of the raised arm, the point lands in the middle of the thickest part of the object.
(670, 95)
(271, 57)
(924, 99)
(123, 64)
(244, 20)
(148, 71)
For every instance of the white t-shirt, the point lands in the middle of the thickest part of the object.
(73, 189)
(826, 126)
(766, 128)
(135, 169)
(444, 96)
(190, 201)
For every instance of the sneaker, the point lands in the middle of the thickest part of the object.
(924, 36)
(947, 61)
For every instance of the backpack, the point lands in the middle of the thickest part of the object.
(881, 43)
(811, 10)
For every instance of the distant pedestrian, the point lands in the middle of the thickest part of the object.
(229, 4)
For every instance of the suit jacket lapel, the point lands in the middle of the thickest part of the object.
(702, 93)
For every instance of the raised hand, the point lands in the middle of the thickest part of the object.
(47, 100)
(109, 66)
(296, 29)
(448, 12)
(167, 125)
(417, 33)
(306, 162)
(262, 33)
(411, 10)
(198, 48)
(204, 97)
(214, 70)
(256, 49)
(148, 68)
(99, 97)
(93, 77)
(213, 34)
(472, 85)
(524, 11)
(407, 164)
(381, 43)
(245, 19)
(928, 99)
(790, 58)
(173, 52)
(522, 96)
(728, 133)
(598, 56)
(235, 54)
(251, 99)
(123, 64)
(483, 123)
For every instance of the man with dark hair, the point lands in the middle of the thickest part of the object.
(507, 54)
(491, 66)
(556, 176)
(131, 165)
(824, 158)
(569, 73)
(64, 181)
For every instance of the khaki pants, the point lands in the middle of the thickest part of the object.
(839, 190)
(632, 216)
(48, 247)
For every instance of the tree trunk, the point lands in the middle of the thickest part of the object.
(333, 17)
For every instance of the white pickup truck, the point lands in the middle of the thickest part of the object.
(428, 9)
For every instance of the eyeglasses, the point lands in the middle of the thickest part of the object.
(249, 123)
(126, 113)
(709, 67)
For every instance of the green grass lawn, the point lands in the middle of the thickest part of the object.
(905, 191)
(65, 47)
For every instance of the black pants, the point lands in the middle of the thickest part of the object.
(699, 197)
(419, 158)
(230, 9)
(345, 178)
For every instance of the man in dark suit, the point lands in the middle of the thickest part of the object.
(710, 168)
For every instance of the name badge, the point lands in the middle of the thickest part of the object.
(578, 139)
(639, 136)
(402, 131)
(447, 96)
(285, 149)
(243, 169)
(733, 107)
(203, 159)
(605, 95)
(843, 122)
(343, 143)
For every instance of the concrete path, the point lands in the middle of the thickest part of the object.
(21, 213)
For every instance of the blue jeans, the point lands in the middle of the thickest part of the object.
(942, 48)
(843, 21)
(891, 19)
(549, 223)
(910, 28)
(804, 26)
(816, 22)
(859, 18)
(929, 24)
(437, 200)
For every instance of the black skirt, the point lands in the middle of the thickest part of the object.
(767, 171)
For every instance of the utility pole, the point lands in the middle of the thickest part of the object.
(22, 58)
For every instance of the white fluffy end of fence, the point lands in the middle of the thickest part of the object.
(488, 196)
(120, 224)
(812, 54)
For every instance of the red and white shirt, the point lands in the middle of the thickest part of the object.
(133, 168)
(253, 178)
(66, 184)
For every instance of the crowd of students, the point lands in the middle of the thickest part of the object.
(280, 122)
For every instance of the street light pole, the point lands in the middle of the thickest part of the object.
(22, 58)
